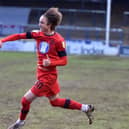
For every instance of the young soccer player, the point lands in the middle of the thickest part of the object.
(51, 52)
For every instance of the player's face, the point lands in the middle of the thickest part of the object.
(44, 27)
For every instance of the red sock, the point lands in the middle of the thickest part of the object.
(25, 108)
(66, 103)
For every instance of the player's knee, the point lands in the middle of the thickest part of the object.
(53, 103)
(25, 102)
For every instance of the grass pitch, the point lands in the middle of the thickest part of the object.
(102, 81)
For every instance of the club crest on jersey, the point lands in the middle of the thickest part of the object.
(64, 44)
(44, 47)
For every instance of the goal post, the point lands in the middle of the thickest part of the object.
(108, 22)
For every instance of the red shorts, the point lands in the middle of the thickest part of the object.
(46, 87)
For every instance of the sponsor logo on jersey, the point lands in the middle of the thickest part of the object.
(44, 47)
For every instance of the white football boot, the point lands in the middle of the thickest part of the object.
(17, 125)
(89, 113)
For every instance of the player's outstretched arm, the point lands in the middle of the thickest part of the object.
(14, 37)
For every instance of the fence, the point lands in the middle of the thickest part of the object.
(71, 32)
(77, 24)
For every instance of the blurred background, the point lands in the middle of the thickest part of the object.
(83, 26)
(99, 75)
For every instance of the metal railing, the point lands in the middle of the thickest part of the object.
(70, 32)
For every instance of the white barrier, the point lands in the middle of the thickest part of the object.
(79, 47)
(21, 45)
(90, 48)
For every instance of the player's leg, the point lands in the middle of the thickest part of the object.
(56, 101)
(25, 102)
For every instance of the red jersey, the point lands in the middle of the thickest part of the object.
(52, 46)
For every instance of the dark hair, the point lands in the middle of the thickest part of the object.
(54, 17)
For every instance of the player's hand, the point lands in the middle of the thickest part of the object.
(0, 43)
(46, 62)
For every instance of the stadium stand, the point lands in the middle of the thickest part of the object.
(76, 17)
(13, 19)
(14, 15)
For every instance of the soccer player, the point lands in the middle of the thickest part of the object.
(51, 52)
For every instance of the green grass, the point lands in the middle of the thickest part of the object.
(102, 81)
